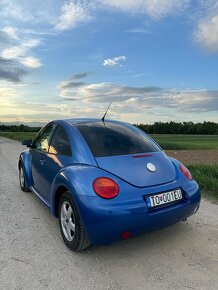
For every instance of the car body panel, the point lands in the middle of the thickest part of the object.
(139, 175)
(105, 220)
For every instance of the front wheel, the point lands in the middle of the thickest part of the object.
(71, 225)
(22, 179)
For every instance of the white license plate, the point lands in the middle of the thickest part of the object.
(165, 197)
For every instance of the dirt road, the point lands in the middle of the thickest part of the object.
(33, 256)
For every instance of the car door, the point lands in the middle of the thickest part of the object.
(58, 157)
(39, 153)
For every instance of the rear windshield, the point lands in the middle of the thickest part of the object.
(112, 139)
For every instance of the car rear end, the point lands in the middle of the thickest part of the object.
(137, 188)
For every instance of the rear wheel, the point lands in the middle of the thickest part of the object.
(22, 178)
(71, 225)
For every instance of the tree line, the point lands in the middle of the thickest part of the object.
(18, 128)
(205, 128)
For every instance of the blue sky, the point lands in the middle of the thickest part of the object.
(155, 60)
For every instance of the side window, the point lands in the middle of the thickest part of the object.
(60, 144)
(42, 140)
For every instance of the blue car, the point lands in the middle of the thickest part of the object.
(105, 181)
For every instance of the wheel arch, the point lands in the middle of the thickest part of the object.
(57, 196)
(25, 160)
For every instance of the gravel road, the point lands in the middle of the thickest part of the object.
(33, 256)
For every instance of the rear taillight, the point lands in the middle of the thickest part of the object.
(105, 187)
(186, 172)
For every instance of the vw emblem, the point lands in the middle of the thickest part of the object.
(151, 167)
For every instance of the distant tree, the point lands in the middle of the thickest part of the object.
(206, 128)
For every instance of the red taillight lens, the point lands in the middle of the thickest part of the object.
(105, 187)
(186, 172)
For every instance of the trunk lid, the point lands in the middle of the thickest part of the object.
(133, 168)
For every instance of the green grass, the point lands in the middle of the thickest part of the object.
(186, 142)
(207, 178)
(19, 136)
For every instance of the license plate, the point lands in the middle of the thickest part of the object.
(165, 197)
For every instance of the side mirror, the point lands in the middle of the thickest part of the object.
(27, 142)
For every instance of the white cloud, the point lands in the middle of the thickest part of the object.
(11, 32)
(22, 51)
(207, 33)
(154, 8)
(72, 14)
(142, 98)
(13, 9)
(13, 52)
(114, 61)
(30, 61)
(31, 43)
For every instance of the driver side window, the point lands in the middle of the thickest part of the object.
(42, 141)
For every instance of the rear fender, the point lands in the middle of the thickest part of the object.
(78, 179)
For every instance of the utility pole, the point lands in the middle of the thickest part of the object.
(17, 121)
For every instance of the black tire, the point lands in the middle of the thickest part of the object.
(80, 239)
(22, 182)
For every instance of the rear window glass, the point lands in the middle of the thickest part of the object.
(112, 139)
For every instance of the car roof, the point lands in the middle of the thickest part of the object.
(75, 121)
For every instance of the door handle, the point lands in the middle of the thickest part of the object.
(42, 161)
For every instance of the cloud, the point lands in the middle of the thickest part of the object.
(10, 71)
(30, 61)
(21, 52)
(206, 33)
(139, 30)
(154, 8)
(142, 98)
(11, 32)
(7, 92)
(80, 75)
(13, 52)
(114, 61)
(33, 11)
(13, 9)
(64, 15)
(73, 13)
(73, 81)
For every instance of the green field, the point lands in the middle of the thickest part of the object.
(19, 136)
(186, 142)
(207, 178)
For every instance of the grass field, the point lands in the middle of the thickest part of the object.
(186, 142)
(207, 178)
(19, 136)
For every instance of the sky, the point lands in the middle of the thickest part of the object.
(155, 60)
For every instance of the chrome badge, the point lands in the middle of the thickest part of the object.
(151, 167)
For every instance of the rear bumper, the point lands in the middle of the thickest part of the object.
(106, 220)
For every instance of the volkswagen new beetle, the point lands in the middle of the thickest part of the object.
(105, 181)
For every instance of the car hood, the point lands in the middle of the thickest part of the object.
(133, 168)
